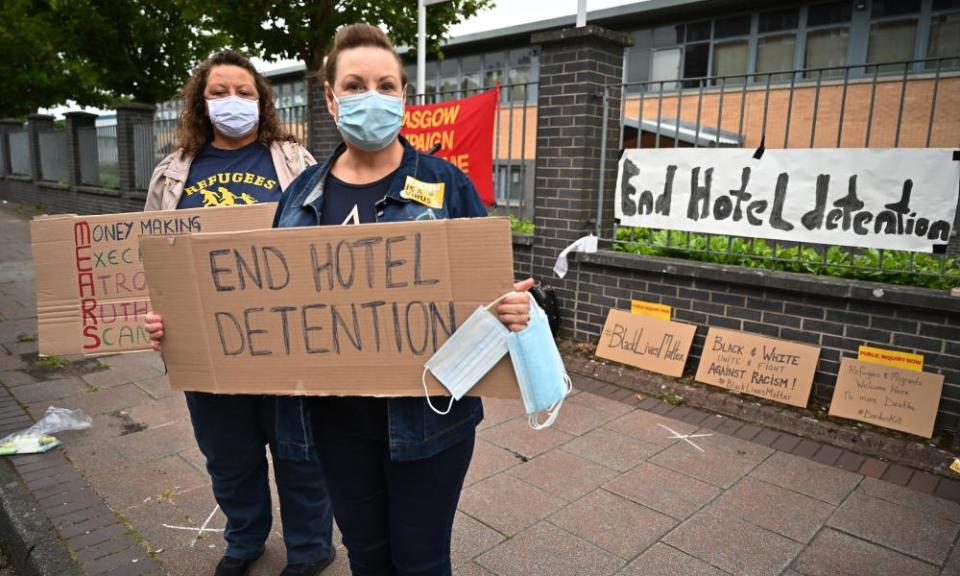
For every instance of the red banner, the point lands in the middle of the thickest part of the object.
(464, 130)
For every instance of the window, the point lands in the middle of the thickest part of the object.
(509, 185)
(735, 26)
(891, 41)
(666, 66)
(699, 31)
(946, 5)
(470, 75)
(638, 68)
(775, 54)
(826, 48)
(944, 40)
(695, 62)
(730, 58)
(885, 8)
(830, 13)
(779, 20)
(519, 75)
(492, 69)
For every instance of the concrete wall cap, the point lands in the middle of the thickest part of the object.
(588, 32)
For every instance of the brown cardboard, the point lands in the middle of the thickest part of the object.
(308, 326)
(646, 342)
(91, 289)
(887, 396)
(774, 369)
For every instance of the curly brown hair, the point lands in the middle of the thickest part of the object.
(194, 129)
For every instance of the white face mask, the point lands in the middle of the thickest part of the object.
(473, 349)
(233, 116)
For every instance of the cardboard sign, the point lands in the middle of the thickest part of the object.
(661, 311)
(774, 369)
(91, 289)
(887, 396)
(464, 131)
(896, 358)
(646, 342)
(330, 310)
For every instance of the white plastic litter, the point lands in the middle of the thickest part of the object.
(586, 244)
(39, 437)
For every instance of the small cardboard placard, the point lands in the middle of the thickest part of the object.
(887, 396)
(646, 342)
(661, 311)
(329, 310)
(91, 288)
(894, 358)
(774, 369)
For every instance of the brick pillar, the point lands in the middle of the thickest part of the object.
(7, 125)
(323, 135)
(576, 65)
(74, 122)
(37, 123)
(127, 116)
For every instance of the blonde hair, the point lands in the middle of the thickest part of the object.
(357, 36)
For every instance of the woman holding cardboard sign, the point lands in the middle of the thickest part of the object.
(394, 467)
(233, 151)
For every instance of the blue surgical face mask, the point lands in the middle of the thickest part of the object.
(539, 368)
(233, 116)
(370, 121)
(473, 349)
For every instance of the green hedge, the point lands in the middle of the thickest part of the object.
(858, 263)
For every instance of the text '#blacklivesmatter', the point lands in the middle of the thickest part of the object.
(375, 324)
(847, 213)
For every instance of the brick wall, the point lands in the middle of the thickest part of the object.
(63, 199)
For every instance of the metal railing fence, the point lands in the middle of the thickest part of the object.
(53, 155)
(19, 152)
(817, 108)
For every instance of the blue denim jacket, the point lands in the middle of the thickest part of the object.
(415, 430)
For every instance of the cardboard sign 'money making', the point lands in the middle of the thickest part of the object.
(329, 310)
(887, 396)
(774, 369)
(646, 342)
(91, 289)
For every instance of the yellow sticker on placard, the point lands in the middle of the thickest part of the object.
(956, 465)
(661, 311)
(891, 358)
(426, 193)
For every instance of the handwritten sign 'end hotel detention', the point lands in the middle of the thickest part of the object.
(887, 396)
(646, 342)
(774, 369)
(328, 310)
(897, 198)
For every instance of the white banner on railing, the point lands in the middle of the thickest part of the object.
(896, 198)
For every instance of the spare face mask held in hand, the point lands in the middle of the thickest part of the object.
(233, 116)
(482, 341)
(371, 120)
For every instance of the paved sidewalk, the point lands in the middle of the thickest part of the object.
(612, 488)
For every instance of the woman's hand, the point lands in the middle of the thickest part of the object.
(514, 309)
(154, 326)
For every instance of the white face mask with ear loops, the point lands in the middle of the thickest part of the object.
(233, 116)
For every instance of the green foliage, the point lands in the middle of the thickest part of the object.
(26, 337)
(305, 30)
(888, 266)
(97, 52)
(521, 225)
(51, 362)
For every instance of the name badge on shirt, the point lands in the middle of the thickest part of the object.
(426, 193)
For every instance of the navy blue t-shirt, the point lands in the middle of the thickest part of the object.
(231, 178)
(345, 203)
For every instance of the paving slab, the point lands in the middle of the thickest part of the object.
(664, 560)
(807, 477)
(489, 459)
(546, 550)
(733, 545)
(833, 553)
(614, 523)
(904, 529)
(648, 427)
(508, 504)
(578, 419)
(470, 539)
(614, 450)
(721, 459)
(924, 503)
(517, 436)
(664, 490)
(600, 404)
(777, 509)
(563, 474)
